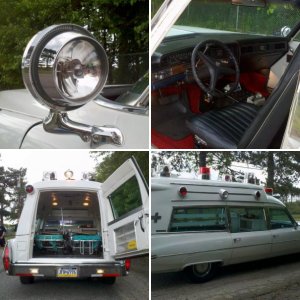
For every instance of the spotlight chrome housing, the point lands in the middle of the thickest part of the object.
(64, 67)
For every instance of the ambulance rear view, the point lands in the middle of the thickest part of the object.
(79, 228)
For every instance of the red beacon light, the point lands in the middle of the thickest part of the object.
(269, 191)
(182, 191)
(29, 189)
(204, 173)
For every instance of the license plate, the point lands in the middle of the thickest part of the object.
(67, 272)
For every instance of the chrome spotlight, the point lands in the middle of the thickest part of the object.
(64, 67)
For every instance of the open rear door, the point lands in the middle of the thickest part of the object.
(127, 199)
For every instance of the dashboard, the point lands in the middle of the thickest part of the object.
(171, 62)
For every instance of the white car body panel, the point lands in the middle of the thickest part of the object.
(173, 251)
(21, 247)
(19, 110)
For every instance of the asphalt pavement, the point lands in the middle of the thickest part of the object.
(133, 286)
(273, 279)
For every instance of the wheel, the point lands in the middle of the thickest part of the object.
(26, 279)
(200, 272)
(109, 280)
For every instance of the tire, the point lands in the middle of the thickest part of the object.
(26, 279)
(201, 272)
(108, 280)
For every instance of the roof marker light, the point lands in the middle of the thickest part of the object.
(269, 191)
(182, 191)
(29, 189)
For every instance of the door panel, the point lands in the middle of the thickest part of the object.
(249, 246)
(285, 233)
(125, 193)
(251, 239)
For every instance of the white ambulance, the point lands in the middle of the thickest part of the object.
(200, 225)
(79, 228)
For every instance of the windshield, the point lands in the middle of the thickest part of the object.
(276, 19)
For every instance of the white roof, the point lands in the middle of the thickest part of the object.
(67, 184)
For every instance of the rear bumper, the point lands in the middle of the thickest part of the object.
(105, 269)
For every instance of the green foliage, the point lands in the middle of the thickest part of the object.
(224, 16)
(112, 160)
(12, 192)
(282, 168)
(127, 196)
(22, 19)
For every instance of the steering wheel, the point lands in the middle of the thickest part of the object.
(215, 68)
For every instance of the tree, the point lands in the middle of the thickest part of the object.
(22, 19)
(12, 192)
(127, 196)
(110, 161)
(192, 160)
(282, 168)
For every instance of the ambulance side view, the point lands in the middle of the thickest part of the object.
(200, 225)
(80, 228)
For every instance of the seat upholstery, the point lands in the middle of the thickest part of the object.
(262, 128)
(225, 127)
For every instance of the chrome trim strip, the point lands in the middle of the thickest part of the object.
(126, 108)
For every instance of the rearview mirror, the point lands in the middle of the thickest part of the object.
(257, 3)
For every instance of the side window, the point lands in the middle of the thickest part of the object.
(245, 219)
(126, 198)
(198, 219)
(279, 218)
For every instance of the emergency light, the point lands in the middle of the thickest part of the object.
(269, 191)
(29, 189)
(183, 191)
(204, 173)
(69, 174)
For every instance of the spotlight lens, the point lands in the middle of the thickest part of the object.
(78, 69)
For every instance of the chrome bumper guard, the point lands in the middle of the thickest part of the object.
(108, 269)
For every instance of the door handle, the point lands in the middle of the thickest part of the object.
(140, 220)
(237, 240)
(275, 236)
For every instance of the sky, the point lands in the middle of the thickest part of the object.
(39, 161)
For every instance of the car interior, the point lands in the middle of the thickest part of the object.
(68, 224)
(212, 90)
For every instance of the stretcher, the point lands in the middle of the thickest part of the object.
(85, 243)
(49, 241)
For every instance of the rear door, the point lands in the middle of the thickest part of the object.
(251, 239)
(126, 196)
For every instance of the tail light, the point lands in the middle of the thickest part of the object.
(127, 264)
(6, 260)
